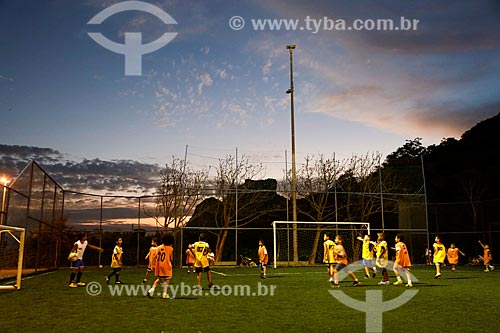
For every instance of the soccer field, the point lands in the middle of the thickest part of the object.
(289, 300)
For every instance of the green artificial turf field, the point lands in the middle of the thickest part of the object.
(290, 299)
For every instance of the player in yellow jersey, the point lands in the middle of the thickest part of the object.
(367, 255)
(402, 263)
(201, 264)
(163, 268)
(382, 260)
(329, 255)
(452, 256)
(116, 261)
(151, 257)
(439, 256)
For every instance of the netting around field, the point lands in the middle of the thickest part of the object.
(310, 241)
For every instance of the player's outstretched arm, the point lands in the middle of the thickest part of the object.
(97, 248)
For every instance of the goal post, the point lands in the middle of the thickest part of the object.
(18, 234)
(310, 240)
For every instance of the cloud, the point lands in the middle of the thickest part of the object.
(266, 69)
(6, 78)
(205, 80)
(90, 176)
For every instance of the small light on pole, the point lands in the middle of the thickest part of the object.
(4, 182)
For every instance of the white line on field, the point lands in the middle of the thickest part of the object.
(223, 274)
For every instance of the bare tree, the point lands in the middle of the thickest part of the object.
(181, 189)
(360, 184)
(240, 205)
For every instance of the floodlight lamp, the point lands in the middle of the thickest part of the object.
(289, 91)
(4, 181)
(291, 47)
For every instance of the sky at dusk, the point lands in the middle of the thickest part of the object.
(215, 89)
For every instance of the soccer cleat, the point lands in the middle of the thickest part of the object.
(118, 282)
(356, 283)
(144, 281)
(80, 284)
(486, 270)
(398, 282)
(165, 296)
(150, 293)
(409, 285)
(73, 285)
(107, 279)
(335, 285)
(437, 276)
(492, 268)
(383, 283)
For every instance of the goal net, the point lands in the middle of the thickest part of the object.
(12, 249)
(301, 243)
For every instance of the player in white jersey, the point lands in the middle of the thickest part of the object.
(77, 266)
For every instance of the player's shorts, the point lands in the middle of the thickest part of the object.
(438, 263)
(339, 266)
(367, 262)
(202, 269)
(77, 264)
(263, 264)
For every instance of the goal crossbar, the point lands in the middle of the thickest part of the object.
(276, 225)
(22, 232)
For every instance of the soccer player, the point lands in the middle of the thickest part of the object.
(328, 255)
(77, 266)
(382, 257)
(402, 263)
(201, 264)
(190, 258)
(163, 268)
(340, 257)
(367, 255)
(116, 261)
(452, 256)
(439, 255)
(487, 257)
(263, 259)
(151, 257)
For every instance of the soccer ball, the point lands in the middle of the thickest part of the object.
(73, 256)
(211, 258)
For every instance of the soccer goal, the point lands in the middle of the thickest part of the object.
(10, 251)
(301, 243)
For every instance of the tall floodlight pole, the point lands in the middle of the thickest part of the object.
(294, 171)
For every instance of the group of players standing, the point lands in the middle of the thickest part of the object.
(335, 256)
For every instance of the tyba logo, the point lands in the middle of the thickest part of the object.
(133, 49)
(373, 306)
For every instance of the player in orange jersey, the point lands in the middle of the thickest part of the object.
(151, 257)
(452, 256)
(190, 258)
(163, 269)
(263, 259)
(487, 258)
(402, 263)
(340, 257)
